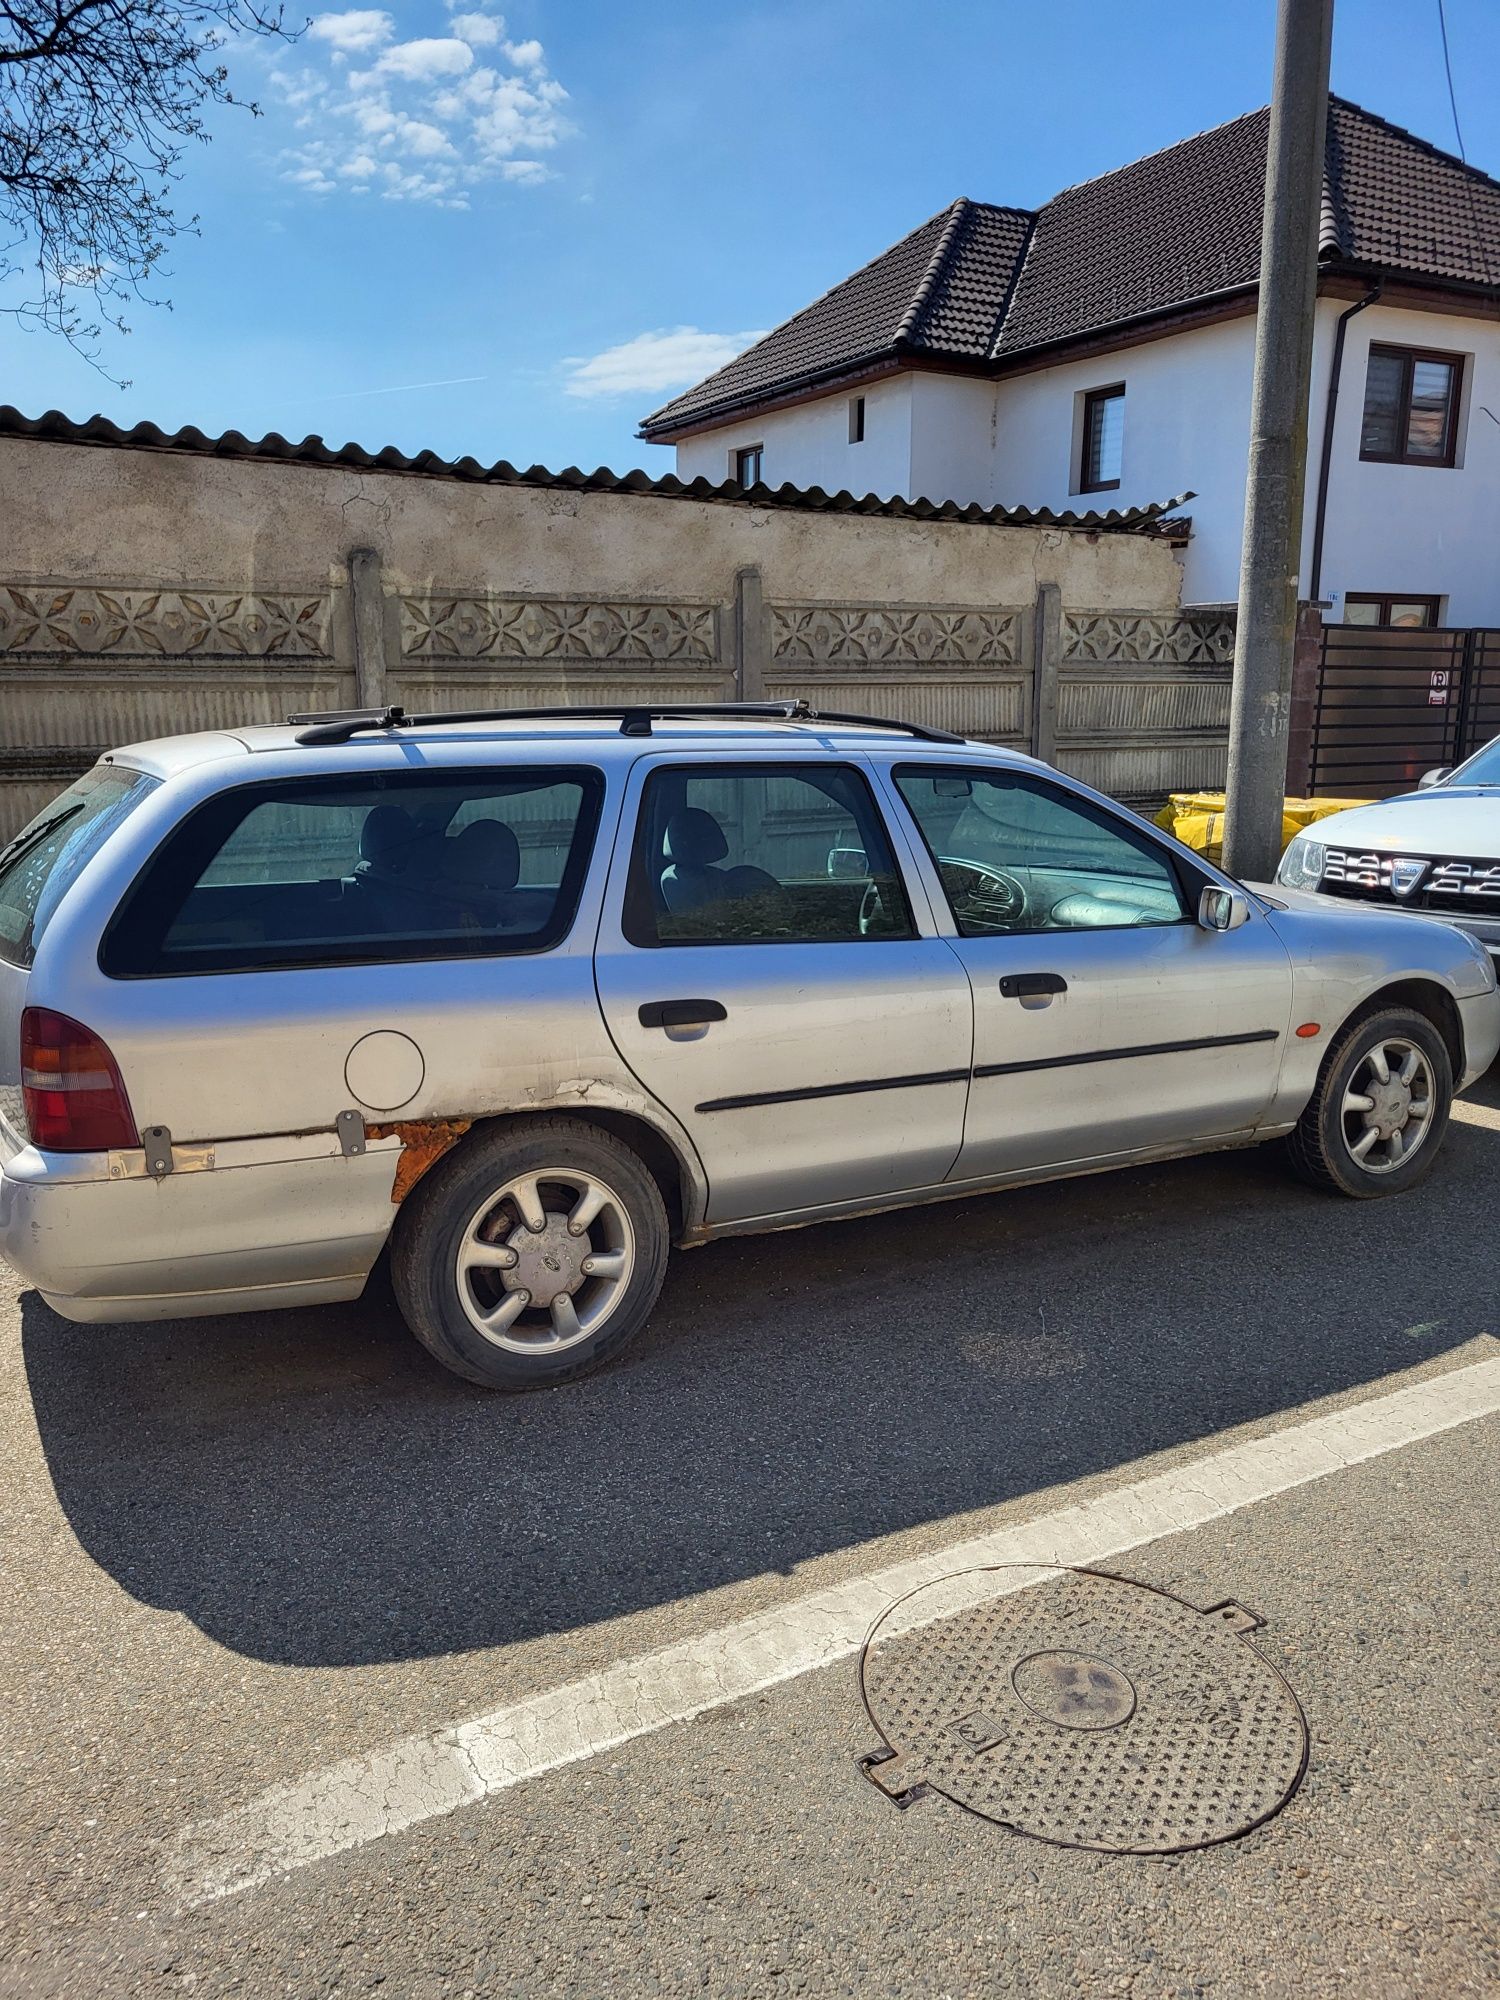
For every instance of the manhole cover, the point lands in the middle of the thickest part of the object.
(1086, 1710)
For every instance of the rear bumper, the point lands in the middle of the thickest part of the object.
(101, 1240)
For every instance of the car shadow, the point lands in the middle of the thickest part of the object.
(309, 1488)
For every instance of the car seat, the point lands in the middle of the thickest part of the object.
(477, 871)
(693, 845)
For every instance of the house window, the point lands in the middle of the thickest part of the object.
(1411, 406)
(1103, 439)
(856, 420)
(747, 464)
(1363, 607)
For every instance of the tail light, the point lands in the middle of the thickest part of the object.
(71, 1086)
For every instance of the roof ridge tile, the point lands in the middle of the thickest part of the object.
(957, 214)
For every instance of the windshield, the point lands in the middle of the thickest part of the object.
(40, 863)
(1483, 768)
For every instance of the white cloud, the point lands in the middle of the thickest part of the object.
(426, 60)
(671, 358)
(423, 119)
(480, 31)
(355, 32)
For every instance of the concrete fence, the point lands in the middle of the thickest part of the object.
(146, 593)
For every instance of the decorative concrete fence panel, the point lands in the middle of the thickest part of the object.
(151, 585)
(1142, 700)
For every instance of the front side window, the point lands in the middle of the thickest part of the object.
(359, 870)
(1376, 608)
(747, 464)
(1017, 855)
(1103, 439)
(1411, 406)
(39, 865)
(762, 854)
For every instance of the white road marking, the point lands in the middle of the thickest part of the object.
(348, 1804)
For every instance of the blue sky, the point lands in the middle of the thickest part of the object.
(493, 207)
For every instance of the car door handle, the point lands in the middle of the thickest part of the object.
(1022, 985)
(681, 1013)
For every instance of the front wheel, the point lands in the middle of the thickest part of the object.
(1375, 1122)
(531, 1254)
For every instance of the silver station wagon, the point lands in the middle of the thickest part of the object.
(530, 997)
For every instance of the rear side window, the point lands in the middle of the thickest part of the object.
(39, 866)
(762, 854)
(347, 871)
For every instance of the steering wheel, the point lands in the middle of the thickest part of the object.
(986, 897)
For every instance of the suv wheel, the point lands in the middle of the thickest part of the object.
(531, 1254)
(1375, 1122)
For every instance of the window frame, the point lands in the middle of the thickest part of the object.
(737, 463)
(181, 845)
(1136, 832)
(1410, 356)
(637, 904)
(1385, 599)
(856, 420)
(1092, 398)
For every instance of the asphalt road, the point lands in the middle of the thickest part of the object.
(242, 1549)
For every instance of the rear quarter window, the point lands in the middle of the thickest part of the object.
(40, 865)
(359, 870)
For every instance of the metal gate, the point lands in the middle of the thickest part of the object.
(1392, 704)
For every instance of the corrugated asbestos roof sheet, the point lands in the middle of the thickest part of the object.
(55, 428)
(1180, 228)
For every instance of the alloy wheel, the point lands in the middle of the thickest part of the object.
(1388, 1105)
(545, 1260)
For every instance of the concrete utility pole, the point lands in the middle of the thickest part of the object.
(1261, 699)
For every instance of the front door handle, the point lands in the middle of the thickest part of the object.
(1022, 985)
(681, 1013)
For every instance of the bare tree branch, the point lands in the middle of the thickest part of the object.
(99, 100)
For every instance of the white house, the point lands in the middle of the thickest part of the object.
(1102, 346)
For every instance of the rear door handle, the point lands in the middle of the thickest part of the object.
(681, 1013)
(1022, 985)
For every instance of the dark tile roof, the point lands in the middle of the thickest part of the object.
(1394, 203)
(941, 289)
(1180, 228)
(1161, 517)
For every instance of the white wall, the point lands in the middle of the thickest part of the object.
(808, 444)
(953, 434)
(1432, 530)
(1187, 421)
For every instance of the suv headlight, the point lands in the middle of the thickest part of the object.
(1302, 864)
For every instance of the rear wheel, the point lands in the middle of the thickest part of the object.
(531, 1254)
(1375, 1122)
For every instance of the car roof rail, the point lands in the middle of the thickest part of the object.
(635, 718)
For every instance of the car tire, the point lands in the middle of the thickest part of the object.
(1347, 1149)
(493, 1273)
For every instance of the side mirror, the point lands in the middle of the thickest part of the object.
(1430, 778)
(1222, 910)
(848, 864)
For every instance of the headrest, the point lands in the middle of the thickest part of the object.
(486, 855)
(387, 836)
(695, 838)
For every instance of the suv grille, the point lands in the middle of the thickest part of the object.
(1446, 885)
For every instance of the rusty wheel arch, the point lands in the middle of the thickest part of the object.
(425, 1141)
